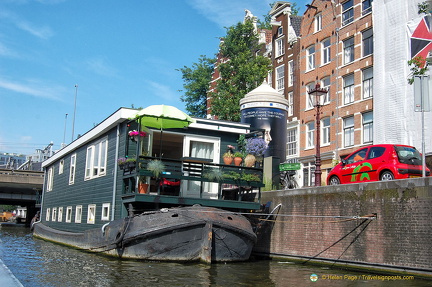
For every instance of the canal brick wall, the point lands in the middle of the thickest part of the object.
(400, 236)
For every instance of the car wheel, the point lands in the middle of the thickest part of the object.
(334, 180)
(387, 175)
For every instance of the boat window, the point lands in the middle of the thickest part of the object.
(105, 211)
(60, 214)
(96, 159)
(72, 169)
(48, 214)
(91, 213)
(78, 213)
(69, 214)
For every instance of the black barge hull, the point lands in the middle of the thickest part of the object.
(177, 234)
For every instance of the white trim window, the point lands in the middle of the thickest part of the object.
(50, 179)
(96, 159)
(310, 131)
(325, 84)
(60, 214)
(48, 214)
(291, 142)
(290, 73)
(280, 78)
(325, 57)
(91, 213)
(61, 166)
(318, 22)
(348, 45)
(290, 104)
(348, 131)
(54, 214)
(69, 214)
(366, 6)
(310, 58)
(325, 131)
(72, 169)
(368, 83)
(78, 213)
(347, 12)
(368, 127)
(367, 37)
(105, 211)
(348, 89)
(280, 47)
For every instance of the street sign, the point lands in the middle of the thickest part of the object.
(289, 166)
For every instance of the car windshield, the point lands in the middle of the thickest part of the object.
(408, 155)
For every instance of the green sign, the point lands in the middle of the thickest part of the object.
(289, 166)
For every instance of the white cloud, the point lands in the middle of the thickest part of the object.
(43, 32)
(159, 90)
(101, 67)
(228, 12)
(6, 52)
(33, 88)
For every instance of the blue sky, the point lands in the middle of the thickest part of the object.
(119, 53)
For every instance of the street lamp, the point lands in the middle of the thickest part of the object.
(318, 93)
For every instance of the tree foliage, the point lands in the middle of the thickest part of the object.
(241, 71)
(196, 83)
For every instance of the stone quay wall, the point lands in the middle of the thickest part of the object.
(308, 225)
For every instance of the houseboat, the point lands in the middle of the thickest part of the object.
(132, 191)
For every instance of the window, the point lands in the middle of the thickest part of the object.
(311, 58)
(310, 129)
(348, 89)
(78, 213)
(325, 57)
(290, 104)
(292, 142)
(368, 83)
(348, 131)
(96, 159)
(54, 214)
(318, 22)
(366, 7)
(48, 214)
(280, 78)
(72, 169)
(280, 31)
(325, 83)
(347, 12)
(310, 100)
(348, 50)
(280, 47)
(69, 214)
(60, 214)
(50, 179)
(367, 42)
(91, 213)
(105, 211)
(368, 127)
(309, 174)
(325, 131)
(290, 73)
(61, 166)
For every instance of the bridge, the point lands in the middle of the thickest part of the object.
(21, 187)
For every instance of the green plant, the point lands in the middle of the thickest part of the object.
(156, 167)
(121, 161)
(228, 154)
(417, 67)
(238, 154)
(250, 177)
(213, 174)
(130, 160)
(232, 175)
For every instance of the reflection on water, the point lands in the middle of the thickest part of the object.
(38, 263)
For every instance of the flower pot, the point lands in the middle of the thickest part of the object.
(143, 188)
(238, 161)
(228, 160)
(250, 160)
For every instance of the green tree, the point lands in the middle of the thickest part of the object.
(241, 71)
(265, 24)
(196, 83)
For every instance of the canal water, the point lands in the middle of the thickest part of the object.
(38, 263)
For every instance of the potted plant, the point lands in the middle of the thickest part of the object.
(213, 174)
(130, 163)
(228, 157)
(136, 135)
(238, 158)
(156, 167)
(121, 162)
(143, 185)
(255, 147)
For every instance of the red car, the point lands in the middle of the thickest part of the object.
(378, 162)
